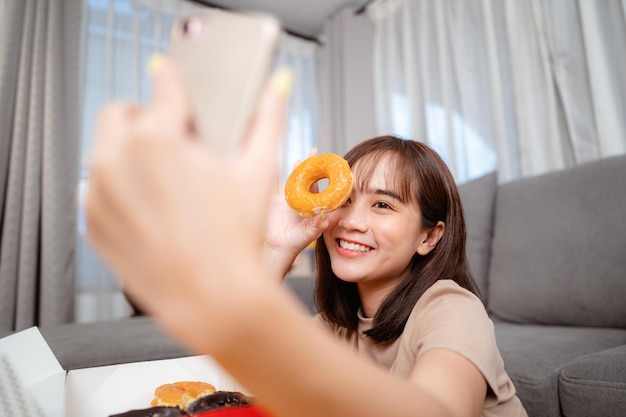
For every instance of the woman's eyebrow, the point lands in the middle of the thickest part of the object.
(388, 193)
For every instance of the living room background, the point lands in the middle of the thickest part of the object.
(520, 88)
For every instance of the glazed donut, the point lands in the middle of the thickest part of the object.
(181, 394)
(306, 174)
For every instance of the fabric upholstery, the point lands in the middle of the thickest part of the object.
(478, 197)
(131, 340)
(304, 290)
(558, 248)
(112, 342)
(595, 385)
(534, 356)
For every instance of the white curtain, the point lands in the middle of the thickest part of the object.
(521, 87)
(348, 115)
(120, 37)
(302, 131)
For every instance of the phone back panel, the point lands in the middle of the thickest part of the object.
(224, 58)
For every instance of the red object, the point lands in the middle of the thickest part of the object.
(245, 411)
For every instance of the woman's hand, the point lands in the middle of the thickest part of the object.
(180, 225)
(182, 228)
(288, 234)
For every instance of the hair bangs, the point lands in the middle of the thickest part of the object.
(399, 172)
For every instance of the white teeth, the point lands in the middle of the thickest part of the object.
(353, 246)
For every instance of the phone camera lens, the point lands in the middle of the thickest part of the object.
(193, 26)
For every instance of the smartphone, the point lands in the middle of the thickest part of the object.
(224, 58)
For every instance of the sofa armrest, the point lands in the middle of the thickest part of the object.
(595, 384)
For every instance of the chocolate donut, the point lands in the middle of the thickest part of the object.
(160, 411)
(219, 399)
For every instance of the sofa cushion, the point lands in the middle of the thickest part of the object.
(558, 252)
(110, 342)
(477, 197)
(595, 385)
(84, 345)
(534, 356)
(304, 290)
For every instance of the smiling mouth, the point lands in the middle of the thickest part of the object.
(353, 246)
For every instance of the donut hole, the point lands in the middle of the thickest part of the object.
(322, 184)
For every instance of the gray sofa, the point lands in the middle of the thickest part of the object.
(549, 255)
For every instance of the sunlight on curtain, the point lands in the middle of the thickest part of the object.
(518, 87)
(302, 131)
(120, 37)
(418, 90)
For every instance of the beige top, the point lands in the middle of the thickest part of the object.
(450, 317)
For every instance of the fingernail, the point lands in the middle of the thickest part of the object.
(323, 214)
(155, 64)
(282, 81)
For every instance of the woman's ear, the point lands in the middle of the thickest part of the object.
(431, 238)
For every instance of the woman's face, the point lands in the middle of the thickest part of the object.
(372, 238)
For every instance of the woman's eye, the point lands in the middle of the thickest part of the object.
(382, 205)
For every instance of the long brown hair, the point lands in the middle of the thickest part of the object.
(421, 177)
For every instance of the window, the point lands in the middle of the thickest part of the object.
(120, 37)
(473, 156)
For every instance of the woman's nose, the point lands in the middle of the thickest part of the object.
(353, 217)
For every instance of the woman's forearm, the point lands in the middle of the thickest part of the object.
(296, 369)
(279, 261)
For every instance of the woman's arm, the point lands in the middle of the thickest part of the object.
(288, 234)
(453, 380)
(281, 254)
(297, 369)
(182, 228)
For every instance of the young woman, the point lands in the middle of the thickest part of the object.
(183, 228)
(393, 279)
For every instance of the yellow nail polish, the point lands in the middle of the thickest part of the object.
(155, 64)
(323, 214)
(282, 81)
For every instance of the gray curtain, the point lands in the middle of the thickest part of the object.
(39, 128)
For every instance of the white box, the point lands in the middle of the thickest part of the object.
(100, 391)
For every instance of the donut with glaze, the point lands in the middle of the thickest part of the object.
(298, 186)
(181, 394)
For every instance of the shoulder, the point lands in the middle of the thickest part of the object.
(449, 316)
(447, 288)
(337, 331)
(447, 298)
